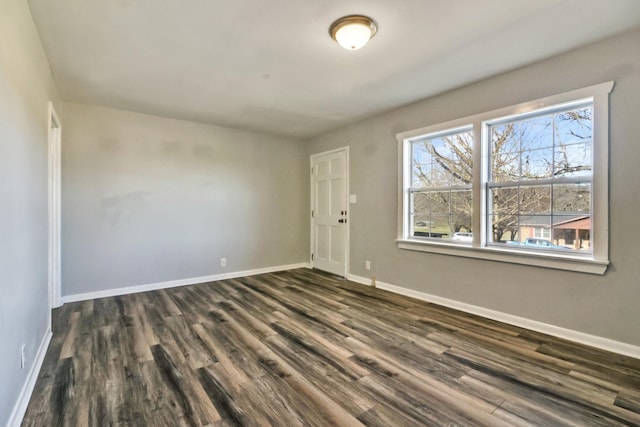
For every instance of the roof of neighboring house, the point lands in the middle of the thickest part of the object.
(583, 223)
(575, 221)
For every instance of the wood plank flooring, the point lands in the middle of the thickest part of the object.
(304, 348)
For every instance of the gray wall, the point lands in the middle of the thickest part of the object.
(26, 87)
(606, 306)
(149, 199)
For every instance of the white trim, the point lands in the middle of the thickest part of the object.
(569, 334)
(15, 419)
(175, 283)
(54, 137)
(513, 256)
(598, 90)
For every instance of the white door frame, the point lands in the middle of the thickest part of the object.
(54, 185)
(346, 204)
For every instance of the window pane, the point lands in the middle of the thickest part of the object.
(535, 227)
(505, 154)
(550, 145)
(572, 160)
(504, 138)
(440, 202)
(535, 200)
(537, 164)
(421, 212)
(574, 126)
(535, 133)
(431, 214)
(504, 201)
(420, 165)
(504, 228)
(440, 214)
(461, 158)
(461, 172)
(461, 211)
(572, 198)
(441, 226)
(440, 147)
(572, 232)
(442, 161)
(440, 173)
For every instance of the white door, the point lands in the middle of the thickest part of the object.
(329, 222)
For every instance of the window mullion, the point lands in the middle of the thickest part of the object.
(539, 182)
(442, 188)
(478, 195)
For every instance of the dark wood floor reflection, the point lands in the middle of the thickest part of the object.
(303, 348)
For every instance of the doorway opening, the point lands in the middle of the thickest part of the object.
(54, 144)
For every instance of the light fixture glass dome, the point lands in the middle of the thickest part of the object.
(353, 31)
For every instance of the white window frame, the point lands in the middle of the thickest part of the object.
(542, 233)
(595, 262)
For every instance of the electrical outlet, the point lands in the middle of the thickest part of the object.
(223, 262)
(367, 265)
(23, 357)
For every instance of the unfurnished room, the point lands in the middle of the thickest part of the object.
(319, 213)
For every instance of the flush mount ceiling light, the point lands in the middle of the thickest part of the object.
(353, 31)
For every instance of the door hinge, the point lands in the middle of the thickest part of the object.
(311, 257)
(312, 214)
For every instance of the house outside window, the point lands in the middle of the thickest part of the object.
(524, 184)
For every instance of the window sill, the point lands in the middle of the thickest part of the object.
(559, 262)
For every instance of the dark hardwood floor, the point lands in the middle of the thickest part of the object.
(304, 348)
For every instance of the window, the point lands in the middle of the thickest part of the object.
(524, 184)
(542, 232)
(441, 171)
(540, 175)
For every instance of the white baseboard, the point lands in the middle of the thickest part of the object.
(15, 419)
(569, 334)
(176, 283)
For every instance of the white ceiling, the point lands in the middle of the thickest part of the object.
(271, 66)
